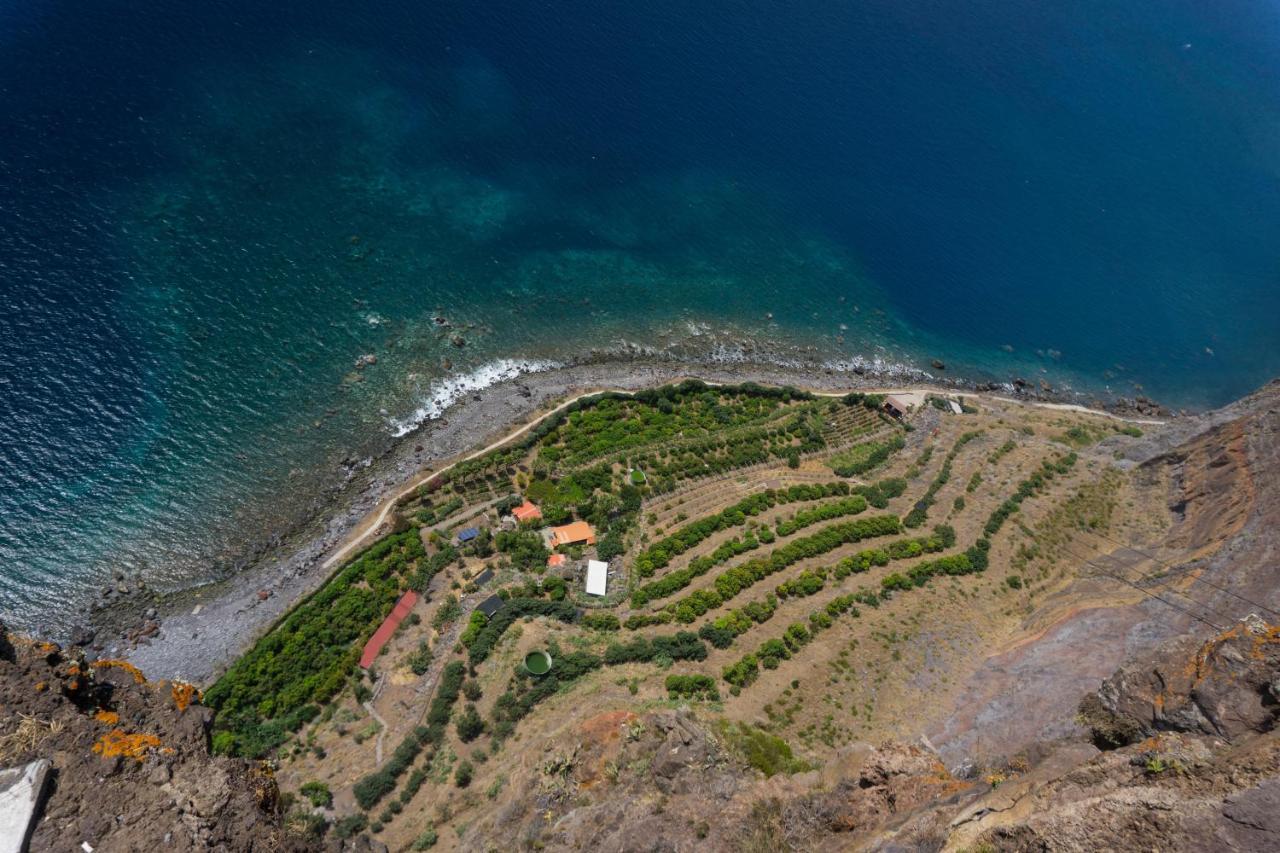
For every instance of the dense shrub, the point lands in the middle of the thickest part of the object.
(684, 645)
(524, 548)
(692, 687)
(469, 724)
(474, 626)
(600, 621)
(346, 827)
(318, 793)
(851, 505)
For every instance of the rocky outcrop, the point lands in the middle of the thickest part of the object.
(1227, 687)
(1191, 760)
(666, 781)
(130, 762)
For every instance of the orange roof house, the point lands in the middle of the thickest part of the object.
(527, 512)
(556, 560)
(387, 628)
(572, 534)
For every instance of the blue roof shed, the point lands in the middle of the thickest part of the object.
(468, 534)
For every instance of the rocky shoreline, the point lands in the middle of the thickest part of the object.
(195, 633)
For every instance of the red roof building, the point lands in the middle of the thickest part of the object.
(527, 512)
(572, 534)
(556, 560)
(387, 628)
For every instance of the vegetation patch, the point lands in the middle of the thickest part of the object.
(865, 457)
(765, 752)
(920, 512)
(270, 691)
(692, 687)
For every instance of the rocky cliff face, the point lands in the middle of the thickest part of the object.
(131, 768)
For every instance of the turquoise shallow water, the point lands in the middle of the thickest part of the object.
(207, 217)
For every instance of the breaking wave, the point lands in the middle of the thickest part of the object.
(443, 393)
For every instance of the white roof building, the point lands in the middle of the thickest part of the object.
(597, 577)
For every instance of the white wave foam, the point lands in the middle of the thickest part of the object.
(443, 393)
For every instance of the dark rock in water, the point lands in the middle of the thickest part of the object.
(446, 364)
(1019, 382)
(81, 636)
(860, 370)
(938, 365)
(366, 360)
(458, 341)
(440, 321)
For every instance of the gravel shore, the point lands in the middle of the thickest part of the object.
(202, 630)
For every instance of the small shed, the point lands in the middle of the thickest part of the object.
(597, 577)
(897, 405)
(467, 534)
(556, 560)
(527, 512)
(491, 605)
(483, 578)
(388, 627)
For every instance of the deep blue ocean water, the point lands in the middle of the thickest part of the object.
(209, 211)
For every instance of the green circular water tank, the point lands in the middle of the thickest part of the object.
(537, 662)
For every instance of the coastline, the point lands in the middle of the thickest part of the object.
(204, 628)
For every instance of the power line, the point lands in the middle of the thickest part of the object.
(1149, 594)
(1175, 568)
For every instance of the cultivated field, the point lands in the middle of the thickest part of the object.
(808, 566)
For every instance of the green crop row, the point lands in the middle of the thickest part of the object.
(734, 580)
(920, 512)
(659, 554)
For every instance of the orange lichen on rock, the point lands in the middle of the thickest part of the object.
(184, 694)
(108, 717)
(118, 742)
(124, 665)
(42, 686)
(1260, 641)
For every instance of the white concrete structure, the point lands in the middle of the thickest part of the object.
(955, 407)
(597, 577)
(21, 789)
